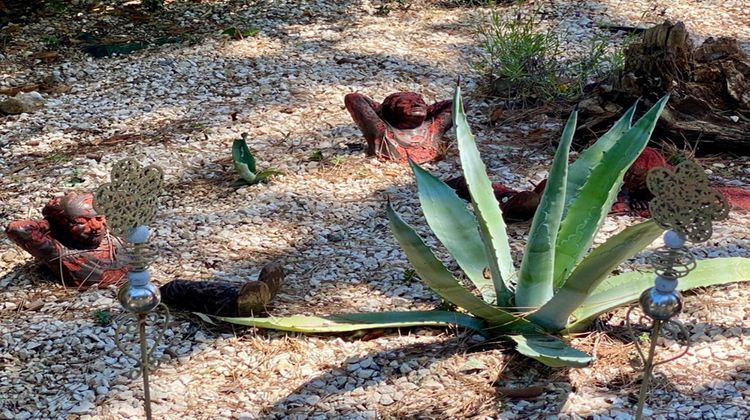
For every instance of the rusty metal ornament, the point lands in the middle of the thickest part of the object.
(686, 206)
(684, 201)
(129, 200)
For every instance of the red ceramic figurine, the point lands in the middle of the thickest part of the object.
(402, 127)
(632, 199)
(72, 241)
(517, 206)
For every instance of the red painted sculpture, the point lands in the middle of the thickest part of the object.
(402, 127)
(72, 241)
(633, 198)
(517, 206)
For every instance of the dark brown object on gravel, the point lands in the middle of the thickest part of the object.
(222, 298)
(517, 206)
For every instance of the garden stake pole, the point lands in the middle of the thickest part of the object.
(129, 201)
(686, 206)
(144, 365)
(647, 370)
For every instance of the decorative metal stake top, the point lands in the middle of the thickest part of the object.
(686, 206)
(129, 201)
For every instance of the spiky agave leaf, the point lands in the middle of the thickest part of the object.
(534, 286)
(486, 207)
(587, 211)
(626, 288)
(438, 278)
(579, 171)
(455, 226)
(360, 321)
(550, 350)
(592, 270)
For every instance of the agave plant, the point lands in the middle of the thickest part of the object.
(244, 163)
(560, 286)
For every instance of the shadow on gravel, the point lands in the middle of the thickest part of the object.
(421, 381)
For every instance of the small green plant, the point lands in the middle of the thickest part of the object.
(338, 160)
(244, 163)
(56, 158)
(152, 5)
(519, 60)
(589, 66)
(102, 317)
(57, 6)
(316, 156)
(50, 41)
(409, 275)
(560, 287)
(236, 33)
(76, 178)
(385, 7)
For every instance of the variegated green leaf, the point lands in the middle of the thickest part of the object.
(594, 200)
(534, 286)
(626, 288)
(486, 207)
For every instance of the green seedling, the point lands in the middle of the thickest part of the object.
(244, 163)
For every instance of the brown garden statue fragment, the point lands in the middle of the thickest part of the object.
(222, 298)
(403, 127)
(72, 241)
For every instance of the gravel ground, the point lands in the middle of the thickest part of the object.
(180, 106)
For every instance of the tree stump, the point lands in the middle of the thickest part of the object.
(709, 85)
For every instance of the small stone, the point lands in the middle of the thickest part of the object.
(82, 407)
(12, 106)
(386, 399)
(35, 305)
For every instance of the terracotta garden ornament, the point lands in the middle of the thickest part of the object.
(72, 241)
(633, 198)
(403, 127)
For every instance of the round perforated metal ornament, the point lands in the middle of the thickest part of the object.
(684, 201)
(129, 200)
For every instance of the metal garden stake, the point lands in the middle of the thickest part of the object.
(129, 201)
(686, 206)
